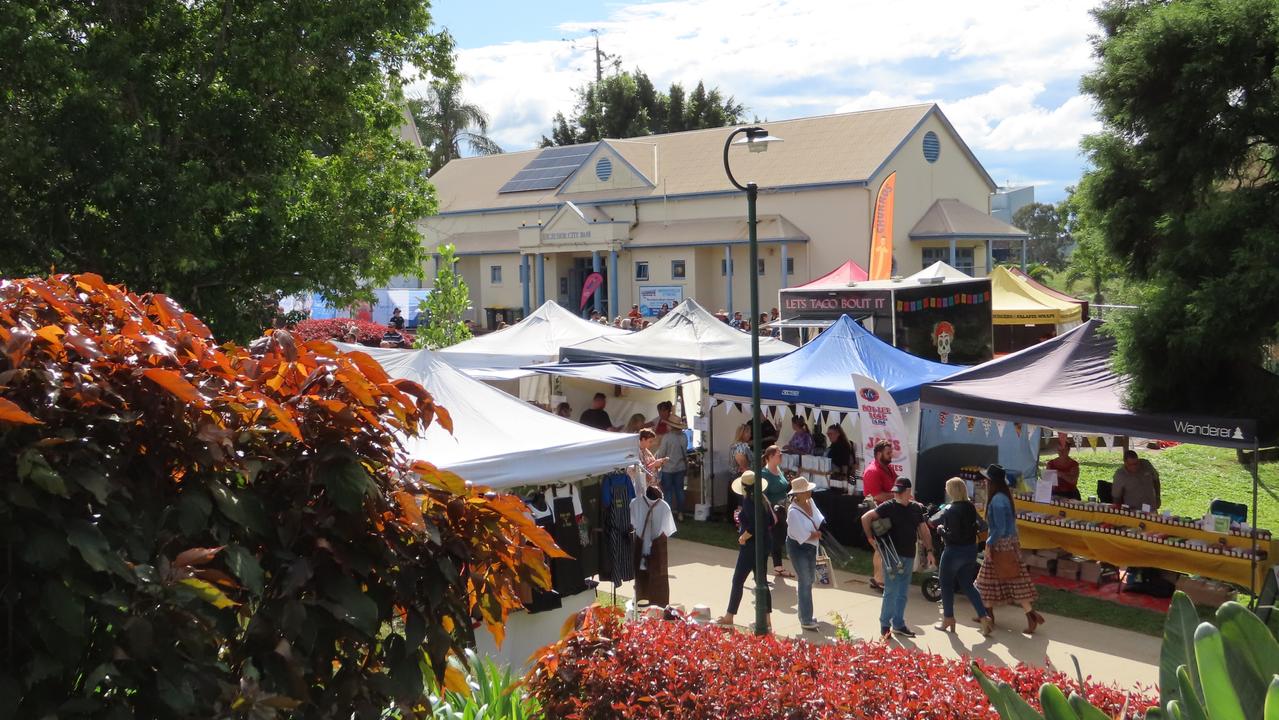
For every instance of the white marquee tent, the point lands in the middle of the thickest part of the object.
(533, 340)
(498, 440)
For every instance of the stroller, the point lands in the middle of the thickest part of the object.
(931, 587)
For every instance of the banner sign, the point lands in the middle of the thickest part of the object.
(881, 419)
(592, 283)
(881, 231)
(653, 297)
(832, 304)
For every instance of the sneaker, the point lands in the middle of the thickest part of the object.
(905, 632)
(809, 626)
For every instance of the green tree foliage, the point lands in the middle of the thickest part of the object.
(448, 124)
(1184, 191)
(1049, 238)
(225, 154)
(202, 531)
(628, 105)
(446, 305)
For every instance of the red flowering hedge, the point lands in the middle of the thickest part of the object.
(336, 328)
(654, 669)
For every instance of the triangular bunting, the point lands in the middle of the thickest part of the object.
(941, 417)
(1079, 440)
(954, 422)
(1017, 429)
(1092, 442)
(971, 423)
(985, 426)
(1109, 440)
(1000, 425)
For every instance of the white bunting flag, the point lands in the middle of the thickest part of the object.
(985, 426)
(1109, 440)
(954, 422)
(1000, 425)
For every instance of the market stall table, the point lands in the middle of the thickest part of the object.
(1135, 539)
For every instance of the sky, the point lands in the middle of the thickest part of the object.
(1006, 72)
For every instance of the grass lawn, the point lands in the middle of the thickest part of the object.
(1051, 600)
(1191, 476)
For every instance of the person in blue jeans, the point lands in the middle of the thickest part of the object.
(960, 525)
(672, 445)
(906, 524)
(803, 533)
(746, 539)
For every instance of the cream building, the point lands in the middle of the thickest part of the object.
(656, 215)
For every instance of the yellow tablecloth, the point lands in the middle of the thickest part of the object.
(1128, 551)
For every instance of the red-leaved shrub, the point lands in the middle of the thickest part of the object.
(654, 669)
(370, 333)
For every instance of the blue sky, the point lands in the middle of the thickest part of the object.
(1005, 72)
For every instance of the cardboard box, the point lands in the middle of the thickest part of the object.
(1090, 571)
(1208, 593)
(1068, 569)
(1047, 566)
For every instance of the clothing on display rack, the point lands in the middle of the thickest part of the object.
(615, 561)
(567, 575)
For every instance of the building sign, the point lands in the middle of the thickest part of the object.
(569, 235)
(827, 304)
(653, 297)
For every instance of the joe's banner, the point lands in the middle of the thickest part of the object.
(881, 231)
(881, 419)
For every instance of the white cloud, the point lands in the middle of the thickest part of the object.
(987, 62)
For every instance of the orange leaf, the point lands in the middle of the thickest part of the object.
(196, 556)
(411, 510)
(11, 413)
(446, 420)
(370, 367)
(173, 381)
(281, 419)
(440, 478)
(456, 681)
(51, 334)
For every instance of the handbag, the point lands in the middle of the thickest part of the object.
(1006, 563)
(823, 566)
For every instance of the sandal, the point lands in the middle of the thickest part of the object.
(780, 571)
(723, 620)
(877, 587)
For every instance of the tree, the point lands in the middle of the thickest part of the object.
(226, 154)
(445, 307)
(1092, 263)
(627, 105)
(1048, 236)
(447, 123)
(1183, 189)
(200, 530)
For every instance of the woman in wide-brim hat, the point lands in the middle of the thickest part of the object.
(1011, 584)
(748, 535)
(803, 534)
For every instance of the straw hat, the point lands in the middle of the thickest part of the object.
(744, 481)
(801, 485)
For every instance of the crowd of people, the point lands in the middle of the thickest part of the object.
(635, 320)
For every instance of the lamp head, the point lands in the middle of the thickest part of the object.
(757, 139)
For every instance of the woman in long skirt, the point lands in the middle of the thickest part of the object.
(653, 522)
(1012, 588)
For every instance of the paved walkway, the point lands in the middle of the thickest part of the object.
(702, 574)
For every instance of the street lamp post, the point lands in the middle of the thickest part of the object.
(757, 139)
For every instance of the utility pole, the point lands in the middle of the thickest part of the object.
(599, 58)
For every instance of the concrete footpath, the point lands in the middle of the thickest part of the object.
(702, 575)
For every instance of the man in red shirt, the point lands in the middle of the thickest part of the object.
(877, 484)
(1067, 471)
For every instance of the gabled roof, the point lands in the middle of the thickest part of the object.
(848, 148)
(841, 276)
(941, 270)
(949, 218)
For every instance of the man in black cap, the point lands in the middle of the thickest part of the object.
(897, 542)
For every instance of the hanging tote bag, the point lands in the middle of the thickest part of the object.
(1006, 562)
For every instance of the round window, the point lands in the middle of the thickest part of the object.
(604, 169)
(932, 146)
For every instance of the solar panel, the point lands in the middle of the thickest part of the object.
(549, 169)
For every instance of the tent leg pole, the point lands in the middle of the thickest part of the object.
(1256, 481)
(708, 467)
